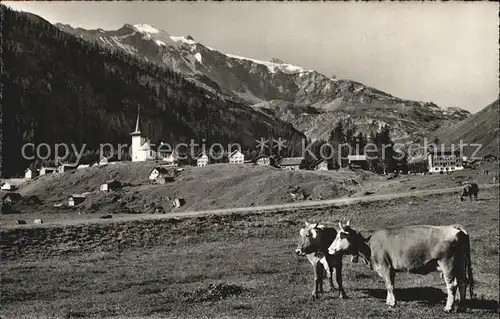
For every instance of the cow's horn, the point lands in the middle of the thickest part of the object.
(348, 222)
(307, 224)
(340, 225)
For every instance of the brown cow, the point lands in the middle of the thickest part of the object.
(469, 190)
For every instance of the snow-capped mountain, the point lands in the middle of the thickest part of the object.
(309, 100)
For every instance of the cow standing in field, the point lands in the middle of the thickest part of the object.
(314, 242)
(469, 190)
(418, 249)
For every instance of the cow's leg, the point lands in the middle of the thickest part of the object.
(321, 276)
(451, 285)
(389, 275)
(338, 279)
(316, 280)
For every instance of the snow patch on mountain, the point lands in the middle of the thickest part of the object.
(160, 43)
(273, 67)
(198, 57)
(182, 40)
(146, 28)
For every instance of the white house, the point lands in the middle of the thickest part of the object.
(263, 160)
(141, 147)
(290, 163)
(444, 161)
(47, 170)
(236, 157)
(202, 159)
(6, 186)
(30, 173)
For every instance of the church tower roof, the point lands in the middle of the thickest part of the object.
(137, 128)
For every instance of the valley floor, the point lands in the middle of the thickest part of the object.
(233, 266)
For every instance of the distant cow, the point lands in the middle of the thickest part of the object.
(314, 242)
(38, 221)
(469, 190)
(418, 249)
(21, 222)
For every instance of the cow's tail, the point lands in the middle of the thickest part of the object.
(468, 261)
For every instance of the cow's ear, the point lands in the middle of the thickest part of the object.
(314, 225)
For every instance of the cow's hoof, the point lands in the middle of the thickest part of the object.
(448, 310)
(343, 296)
(314, 297)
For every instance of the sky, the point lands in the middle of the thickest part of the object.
(444, 52)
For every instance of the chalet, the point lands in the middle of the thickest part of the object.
(320, 165)
(12, 197)
(110, 186)
(66, 168)
(236, 157)
(75, 199)
(47, 170)
(202, 159)
(262, 160)
(358, 161)
(158, 172)
(6, 186)
(444, 161)
(30, 173)
(291, 163)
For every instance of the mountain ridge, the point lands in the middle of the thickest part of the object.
(279, 89)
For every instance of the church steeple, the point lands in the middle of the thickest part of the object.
(137, 128)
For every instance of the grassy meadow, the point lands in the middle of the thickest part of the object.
(234, 266)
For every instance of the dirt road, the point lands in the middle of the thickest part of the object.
(259, 209)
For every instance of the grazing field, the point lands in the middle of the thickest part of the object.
(238, 266)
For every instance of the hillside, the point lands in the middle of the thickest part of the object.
(211, 187)
(60, 89)
(480, 128)
(311, 101)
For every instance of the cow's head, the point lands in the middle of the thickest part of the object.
(309, 239)
(348, 241)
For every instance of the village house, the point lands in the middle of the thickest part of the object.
(47, 170)
(263, 160)
(202, 159)
(236, 157)
(320, 165)
(6, 186)
(66, 168)
(110, 185)
(142, 149)
(30, 173)
(12, 197)
(444, 161)
(290, 163)
(160, 175)
(171, 158)
(178, 202)
(76, 199)
(357, 161)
